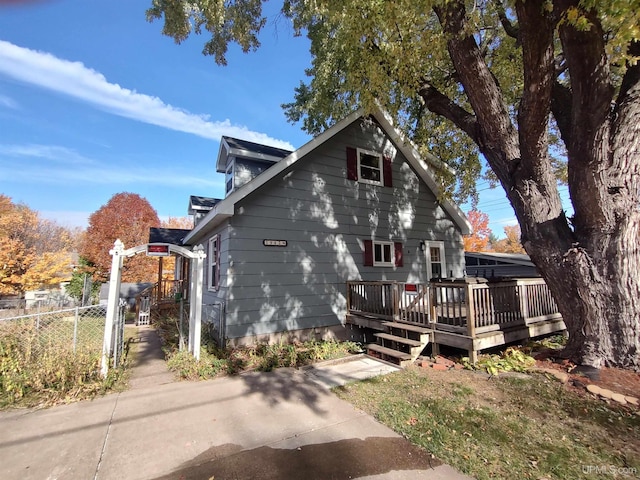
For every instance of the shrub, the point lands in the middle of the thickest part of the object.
(262, 357)
(511, 360)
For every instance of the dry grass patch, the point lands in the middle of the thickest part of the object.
(42, 371)
(504, 426)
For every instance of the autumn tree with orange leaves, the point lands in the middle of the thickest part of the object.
(478, 241)
(128, 217)
(511, 243)
(34, 252)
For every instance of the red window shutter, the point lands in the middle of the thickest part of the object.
(352, 163)
(386, 169)
(397, 246)
(368, 253)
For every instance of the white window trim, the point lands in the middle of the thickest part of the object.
(427, 252)
(212, 260)
(380, 163)
(392, 260)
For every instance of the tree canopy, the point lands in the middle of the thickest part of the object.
(537, 89)
(35, 252)
(128, 217)
(511, 242)
(478, 241)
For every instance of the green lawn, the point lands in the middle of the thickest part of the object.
(504, 427)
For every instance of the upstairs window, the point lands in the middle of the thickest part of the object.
(229, 178)
(367, 166)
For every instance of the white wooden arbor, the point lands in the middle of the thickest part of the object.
(119, 253)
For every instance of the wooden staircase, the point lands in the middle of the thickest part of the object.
(401, 344)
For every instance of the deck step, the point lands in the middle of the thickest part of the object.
(407, 326)
(390, 352)
(395, 338)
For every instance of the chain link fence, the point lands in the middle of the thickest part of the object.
(79, 328)
(174, 319)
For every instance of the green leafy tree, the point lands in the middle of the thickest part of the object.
(81, 286)
(523, 85)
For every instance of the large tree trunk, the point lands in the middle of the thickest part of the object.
(592, 265)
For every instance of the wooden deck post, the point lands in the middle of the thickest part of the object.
(523, 297)
(433, 305)
(471, 320)
(396, 301)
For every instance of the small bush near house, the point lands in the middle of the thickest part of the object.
(264, 357)
(511, 360)
(260, 357)
(34, 372)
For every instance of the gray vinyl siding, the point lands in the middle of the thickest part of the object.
(245, 170)
(324, 217)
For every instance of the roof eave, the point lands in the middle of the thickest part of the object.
(226, 208)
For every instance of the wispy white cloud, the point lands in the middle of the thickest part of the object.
(8, 102)
(47, 152)
(74, 79)
(103, 176)
(54, 164)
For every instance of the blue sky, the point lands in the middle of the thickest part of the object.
(95, 101)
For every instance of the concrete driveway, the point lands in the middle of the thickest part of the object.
(281, 425)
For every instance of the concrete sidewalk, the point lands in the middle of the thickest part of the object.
(280, 425)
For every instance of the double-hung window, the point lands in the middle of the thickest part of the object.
(366, 166)
(382, 253)
(370, 167)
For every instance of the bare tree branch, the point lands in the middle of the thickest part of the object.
(510, 29)
(440, 104)
(497, 136)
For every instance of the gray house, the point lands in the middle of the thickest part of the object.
(355, 203)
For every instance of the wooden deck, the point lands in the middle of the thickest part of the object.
(467, 314)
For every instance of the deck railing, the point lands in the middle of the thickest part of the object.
(455, 306)
(407, 302)
(377, 299)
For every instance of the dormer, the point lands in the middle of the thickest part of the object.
(241, 161)
(200, 206)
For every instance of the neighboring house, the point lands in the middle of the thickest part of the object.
(128, 292)
(355, 203)
(499, 265)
